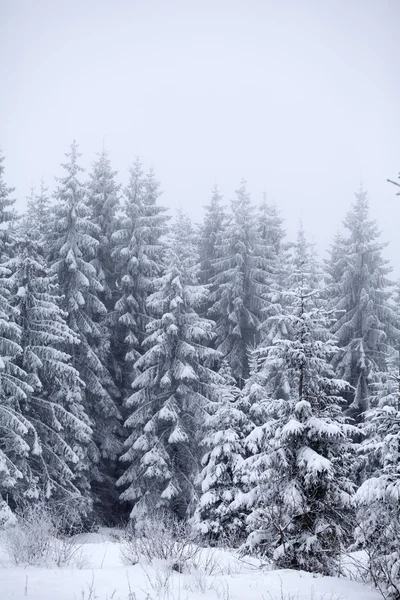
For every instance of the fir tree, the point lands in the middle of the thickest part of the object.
(301, 272)
(304, 267)
(72, 250)
(300, 452)
(270, 226)
(54, 408)
(175, 385)
(225, 427)
(18, 439)
(377, 500)
(335, 266)
(211, 234)
(367, 326)
(239, 286)
(278, 264)
(38, 213)
(103, 201)
(139, 258)
(7, 212)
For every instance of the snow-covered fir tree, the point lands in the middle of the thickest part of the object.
(58, 469)
(73, 247)
(276, 251)
(377, 500)
(272, 242)
(300, 273)
(335, 266)
(7, 212)
(239, 286)
(298, 473)
(211, 233)
(18, 439)
(305, 270)
(270, 225)
(38, 213)
(138, 254)
(103, 200)
(225, 428)
(367, 326)
(174, 387)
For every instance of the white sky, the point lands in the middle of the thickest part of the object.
(300, 97)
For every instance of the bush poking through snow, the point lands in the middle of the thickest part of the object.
(41, 536)
(29, 541)
(161, 537)
(378, 534)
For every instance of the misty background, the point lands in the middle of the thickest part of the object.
(299, 98)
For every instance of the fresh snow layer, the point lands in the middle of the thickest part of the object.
(101, 575)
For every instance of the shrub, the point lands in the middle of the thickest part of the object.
(160, 536)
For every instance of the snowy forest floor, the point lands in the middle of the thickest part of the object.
(97, 572)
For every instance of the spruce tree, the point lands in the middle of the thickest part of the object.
(18, 439)
(225, 427)
(300, 452)
(377, 500)
(301, 272)
(273, 246)
(211, 234)
(305, 270)
(334, 267)
(103, 201)
(54, 408)
(270, 225)
(239, 286)
(73, 248)
(175, 385)
(38, 213)
(138, 254)
(367, 326)
(7, 212)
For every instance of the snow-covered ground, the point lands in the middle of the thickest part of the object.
(99, 574)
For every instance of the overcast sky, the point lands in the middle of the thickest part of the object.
(300, 97)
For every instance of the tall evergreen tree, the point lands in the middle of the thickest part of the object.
(54, 407)
(278, 267)
(18, 439)
(305, 270)
(300, 272)
(38, 214)
(377, 500)
(300, 452)
(139, 258)
(7, 212)
(270, 225)
(211, 234)
(367, 326)
(335, 266)
(73, 247)
(103, 201)
(175, 385)
(225, 427)
(239, 285)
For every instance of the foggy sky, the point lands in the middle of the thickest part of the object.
(300, 97)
